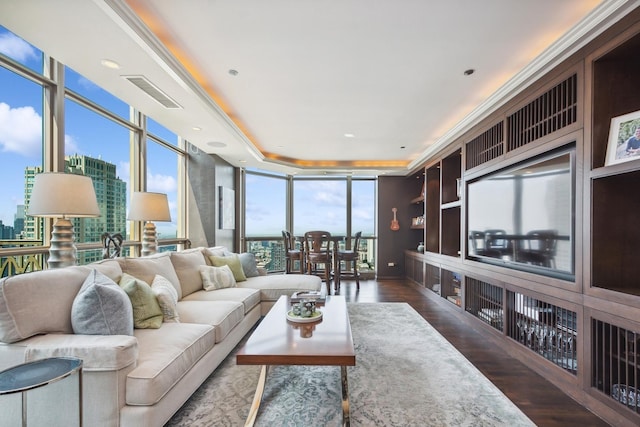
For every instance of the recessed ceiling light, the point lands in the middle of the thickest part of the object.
(243, 161)
(110, 64)
(196, 128)
(469, 72)
(216, 144)
(233, 72)
(349, 135)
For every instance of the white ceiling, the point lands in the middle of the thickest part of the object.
(308, 72)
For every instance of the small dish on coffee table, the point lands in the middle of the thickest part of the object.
(317, 315)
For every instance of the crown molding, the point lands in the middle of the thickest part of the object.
(598, 20)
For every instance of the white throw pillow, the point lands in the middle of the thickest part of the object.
(217, 277)
(167, 297)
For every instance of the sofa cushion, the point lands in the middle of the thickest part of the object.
(101, 308)
(146, 268)
(222, 315)
(109, 267)
(233, 261)
(249, 265)
(167, 297)
(248, 297)
(275, 285)
(98, 352)
(216, 277)
(26, 301)
(186, 264)
(146, 310)
(165, 355)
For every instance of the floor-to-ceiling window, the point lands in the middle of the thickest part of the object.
(363, 219)
(320, 204)
(341, 205)
(97, 144)
(265, 209)
(164, 165)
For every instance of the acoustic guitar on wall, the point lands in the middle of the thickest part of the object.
(395, 226)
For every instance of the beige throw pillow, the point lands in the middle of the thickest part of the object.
(217, 277)
(167, 297)
(147, 313)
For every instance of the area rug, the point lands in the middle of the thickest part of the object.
(406, 374)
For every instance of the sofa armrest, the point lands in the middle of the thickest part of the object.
(98, 352)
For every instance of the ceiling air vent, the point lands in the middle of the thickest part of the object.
(153, 91)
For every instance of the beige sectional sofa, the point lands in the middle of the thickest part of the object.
(143, 378)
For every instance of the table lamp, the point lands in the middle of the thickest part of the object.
(62, 196)
(149, 207)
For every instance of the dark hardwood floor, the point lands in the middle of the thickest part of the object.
(544, 403)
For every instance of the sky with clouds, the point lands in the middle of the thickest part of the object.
(86, 133)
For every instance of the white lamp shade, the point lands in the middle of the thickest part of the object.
(63, 195)
(149, 207)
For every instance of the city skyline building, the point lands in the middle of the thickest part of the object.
(18, 222)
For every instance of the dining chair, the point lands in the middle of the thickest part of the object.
(541, 248)
(291, 253)
(495, 245)
(348, 256)
(317, 251)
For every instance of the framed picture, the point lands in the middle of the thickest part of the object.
(624, 139)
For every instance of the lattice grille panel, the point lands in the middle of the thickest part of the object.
(547, 329)
(484, 301)
(553, 110)
(486, 146)
(616, 369)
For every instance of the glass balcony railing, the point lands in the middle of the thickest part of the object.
(24, 256)
(21, 257)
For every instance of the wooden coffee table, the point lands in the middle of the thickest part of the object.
(278, 341)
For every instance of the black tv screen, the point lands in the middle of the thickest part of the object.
(522, 216)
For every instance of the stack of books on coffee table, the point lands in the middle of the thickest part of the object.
(316, 296)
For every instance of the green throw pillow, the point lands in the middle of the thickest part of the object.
(233, 261)
(147, 313)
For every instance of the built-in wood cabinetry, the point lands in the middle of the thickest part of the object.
(582, 330)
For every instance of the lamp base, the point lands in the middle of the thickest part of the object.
(62, 252)
(149, 239)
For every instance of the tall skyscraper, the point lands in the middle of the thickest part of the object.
(18, 222)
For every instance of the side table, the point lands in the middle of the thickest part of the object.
(39, 373)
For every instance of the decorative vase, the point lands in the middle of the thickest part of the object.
(421, 247)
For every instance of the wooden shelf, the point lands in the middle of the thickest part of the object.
(613, 241)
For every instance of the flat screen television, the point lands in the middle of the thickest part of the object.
(522, 216)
